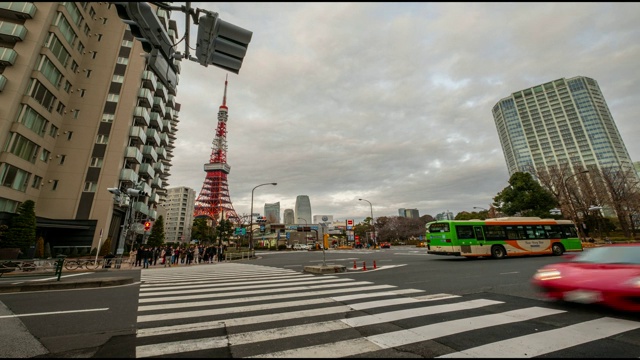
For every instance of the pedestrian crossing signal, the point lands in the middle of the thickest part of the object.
(147, 225)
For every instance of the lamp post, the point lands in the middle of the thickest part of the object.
(481, 208)
(375, 240)
(598, 209)
(573, 209)
(251, 215)
(305, 221)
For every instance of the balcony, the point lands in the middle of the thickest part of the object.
(152, 134)
(156, 121)
(128, 176)
(7, 56)
(168, 113)
(156, 182)
(164, 139)
(162, 153)
(158, 104)
(17, 10)
(154, 199)
(140, 207)
(133, 153)
(149, 152)
(3, 82)
(159, 167)
(153, 214)
(146, 170)
(145, 98)
(137, 134)
(12, 33)
(167, 126)
(141, 116)
(162, 15)
(161, 92)
(171, 101)
(149, 80)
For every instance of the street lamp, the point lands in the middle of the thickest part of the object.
(305, 221)
(372, 225)
(481, 208)
(251, 215)
(598, 209)
(573, 209)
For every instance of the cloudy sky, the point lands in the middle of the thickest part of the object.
(391, 102)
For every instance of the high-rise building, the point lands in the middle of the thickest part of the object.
(179, 205)
(566, 121)
(447, 215)
(272, 213)
(401, 212)
(411, 213)
(81, 113)
(289, 217)
(303, 210)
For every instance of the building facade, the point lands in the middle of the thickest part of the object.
(80, 114)
(447, 215)
(566, 121)
(179, 204)
(303, 210)
(272, 213)
(289, 217)
(409, 213)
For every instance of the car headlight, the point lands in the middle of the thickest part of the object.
(547, 274)
(634, 282)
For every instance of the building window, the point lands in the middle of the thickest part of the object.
(88, 73)
(37, 181)
(76, 113)
(14, 178)
(100, 35)
(45, 155)
(8, 205)
(82, 92)
(58, 50)
(49, 70)
(55, 185)
(87, 30)
(69, 135)
(90, 186)
(74, 66)
(127, 43)
(67, 86)
(92, 13)
(104, 20)
(62, 159)
(41, 94)
(118, 79)
(96, 162)
(53, 131)
(60, 108)
(80, 47)
(93, 54)
(113, 97)
(65, 29)
(32, 120)
(22, 147)
(122, 60)
(102, 139)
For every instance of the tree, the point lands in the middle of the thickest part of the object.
(156, 238)
(525, 197)
(201, 231)
(22, 232)
(225, 230)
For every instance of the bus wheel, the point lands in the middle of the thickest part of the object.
(498, 252)
(557, 249)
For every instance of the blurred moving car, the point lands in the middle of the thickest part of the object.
(300, 246)
(607, 275)
(385, 245)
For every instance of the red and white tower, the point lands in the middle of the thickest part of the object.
(213, 200)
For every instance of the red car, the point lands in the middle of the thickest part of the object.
(607, 275)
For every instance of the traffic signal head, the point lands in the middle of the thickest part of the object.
(145, 26)
(147, 225)
(220, 43)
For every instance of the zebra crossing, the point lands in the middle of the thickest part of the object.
(247, 310)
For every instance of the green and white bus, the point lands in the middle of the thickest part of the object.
(501, 237)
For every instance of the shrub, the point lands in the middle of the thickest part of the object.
(40, 248)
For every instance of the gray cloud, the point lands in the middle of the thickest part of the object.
(391, 102)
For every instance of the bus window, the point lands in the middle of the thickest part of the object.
(495, 232)
(535, 232)
(515, 232)
(439, 227)
(464, 232)
(478, 231)
(553, 231)
(569, 231)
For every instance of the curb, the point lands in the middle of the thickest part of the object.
(66, 285)
(325, 269)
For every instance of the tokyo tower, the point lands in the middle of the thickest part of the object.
(213, 201)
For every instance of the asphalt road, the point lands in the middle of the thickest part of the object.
(102, 322)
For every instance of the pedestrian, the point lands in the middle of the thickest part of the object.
(139, 256)
(132, 257)
(220, 253)
(168, 256)
(196, 255)
(145, 257)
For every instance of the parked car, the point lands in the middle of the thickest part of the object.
(385, 245)
(607, 275)
(300, 247)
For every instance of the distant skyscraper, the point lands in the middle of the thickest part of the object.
(272, 213)
(289, 217)
(411, 213)
(559, 122)
(448, 215)
(401, 212)
(303, 209)
(179, 206)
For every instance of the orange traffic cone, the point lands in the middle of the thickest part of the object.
(354, 265)
(374, 264)
(364, 266)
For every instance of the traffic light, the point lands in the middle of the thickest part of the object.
(136, 192)
(147, 225)
(145, 26)
(220, 43)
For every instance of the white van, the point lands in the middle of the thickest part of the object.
(299, 246)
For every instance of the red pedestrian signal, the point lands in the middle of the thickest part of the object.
(147, 225)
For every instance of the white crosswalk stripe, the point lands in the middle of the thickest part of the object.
(254, 309)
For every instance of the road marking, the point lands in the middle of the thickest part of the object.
(512, 272)
(53, 313)
(332, 350)
(432, 331)
(410, 313)
(541, 343)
